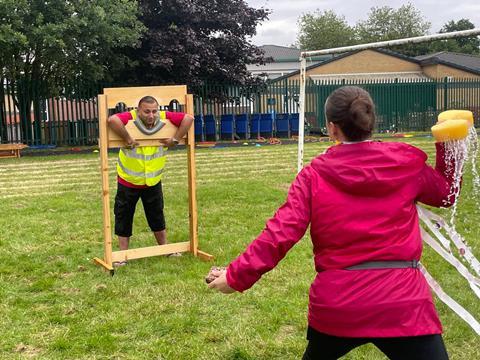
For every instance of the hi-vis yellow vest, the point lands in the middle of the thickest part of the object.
(142, 165)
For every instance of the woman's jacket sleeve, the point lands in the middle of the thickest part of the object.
(281, 232)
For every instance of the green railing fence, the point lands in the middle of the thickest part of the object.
(40, 114)
(401, 105)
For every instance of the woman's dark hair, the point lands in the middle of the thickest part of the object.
(352, 109)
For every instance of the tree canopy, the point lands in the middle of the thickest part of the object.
(191, 41)
(465, 45)
(323, 30)
(386, 23)
(60, 39)
(46, 44)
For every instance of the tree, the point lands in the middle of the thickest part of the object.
(323, 30)
(61, 40)
(43, 40)
(386, 23)
(192, 41)
(465, 45)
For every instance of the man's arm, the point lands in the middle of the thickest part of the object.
(182, 130)
(118, 127)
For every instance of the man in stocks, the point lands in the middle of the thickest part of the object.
(140, 170)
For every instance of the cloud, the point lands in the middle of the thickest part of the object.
(276, 32)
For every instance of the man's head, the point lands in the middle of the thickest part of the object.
(147, 110)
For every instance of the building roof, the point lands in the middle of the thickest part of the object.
(344, 55)
(467, 62)
(280, 52)
(382, 76)
(284, 53)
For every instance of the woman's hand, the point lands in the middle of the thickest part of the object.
(220, 282)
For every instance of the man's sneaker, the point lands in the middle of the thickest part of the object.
(119, 263)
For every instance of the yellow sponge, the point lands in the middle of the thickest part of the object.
(456, 115)
(450, 130)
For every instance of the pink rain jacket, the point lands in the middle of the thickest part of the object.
(359, 200)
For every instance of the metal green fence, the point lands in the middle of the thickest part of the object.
(401, 105)
(40, 114)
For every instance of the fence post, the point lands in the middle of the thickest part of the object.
(396, 103)
(445, 93)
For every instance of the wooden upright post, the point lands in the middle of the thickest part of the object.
(192, 198)
(103, 142)
(192, 188)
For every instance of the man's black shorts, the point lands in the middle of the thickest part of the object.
(126, 201)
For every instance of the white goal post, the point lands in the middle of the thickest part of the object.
(305, 54)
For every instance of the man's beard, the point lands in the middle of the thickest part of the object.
(155, 121)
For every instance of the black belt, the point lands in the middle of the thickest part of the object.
(385, 265)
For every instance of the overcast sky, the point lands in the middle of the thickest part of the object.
(281, 28)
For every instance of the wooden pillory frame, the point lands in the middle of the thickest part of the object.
(109, 139)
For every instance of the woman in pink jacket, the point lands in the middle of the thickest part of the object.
(359, 200)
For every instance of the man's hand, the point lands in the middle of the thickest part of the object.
(220, 282)
(131, 143)
(170, 143)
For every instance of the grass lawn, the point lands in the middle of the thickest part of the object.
(56, 304)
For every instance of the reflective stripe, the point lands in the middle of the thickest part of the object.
(395, 264)
(138, 173)
(452, 304)
(143, 165)
(133, 154)
(441, 244)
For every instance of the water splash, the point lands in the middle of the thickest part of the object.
(456, 154)
(472, 144)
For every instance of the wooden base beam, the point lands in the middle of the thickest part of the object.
(157, 250)
(103, 263)
(204, 256)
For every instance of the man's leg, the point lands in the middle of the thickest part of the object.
(124, 210)
(161, 236)
(152, 199)
(123, 242)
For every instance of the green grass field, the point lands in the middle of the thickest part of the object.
(56, 304)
